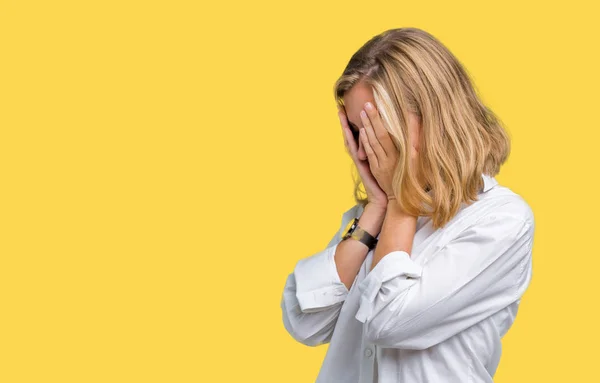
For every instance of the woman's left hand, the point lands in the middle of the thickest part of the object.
(381, 151)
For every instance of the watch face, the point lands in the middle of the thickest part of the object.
(350, 226)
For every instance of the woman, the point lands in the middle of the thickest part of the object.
(429, 278)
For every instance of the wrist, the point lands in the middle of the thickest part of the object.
(393, 208)
(372, 218)
(376, 207)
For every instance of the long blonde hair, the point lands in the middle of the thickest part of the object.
(409, 70)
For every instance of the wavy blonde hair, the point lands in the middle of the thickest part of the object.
(409, 70)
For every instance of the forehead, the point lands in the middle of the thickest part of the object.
(354, 101)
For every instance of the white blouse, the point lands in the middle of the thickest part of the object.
(436, 315)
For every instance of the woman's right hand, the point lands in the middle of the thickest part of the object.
(374, 192)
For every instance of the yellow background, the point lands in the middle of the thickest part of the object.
(164, 165)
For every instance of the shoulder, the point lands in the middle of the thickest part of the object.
(508, 203)
(506, 208)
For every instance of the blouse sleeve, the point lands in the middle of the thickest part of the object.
(314, 293)
(481, 271)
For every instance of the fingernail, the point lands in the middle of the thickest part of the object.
(369, 105)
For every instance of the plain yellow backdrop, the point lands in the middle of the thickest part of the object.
(164, 165)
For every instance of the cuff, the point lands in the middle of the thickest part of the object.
(318, 284)
(392, 265)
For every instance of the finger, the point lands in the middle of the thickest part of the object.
(349, 142)
(370, 133)
(345, 141)
(382, 134)
(368, 149)
(344, 124)
(347, 138)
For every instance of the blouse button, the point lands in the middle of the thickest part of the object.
(368, 352)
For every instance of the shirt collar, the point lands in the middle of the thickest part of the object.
(488, 182)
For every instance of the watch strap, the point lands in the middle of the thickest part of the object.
(361, 235)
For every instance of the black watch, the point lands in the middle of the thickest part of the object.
(360, 234)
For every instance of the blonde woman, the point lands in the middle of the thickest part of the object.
(425, 274)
